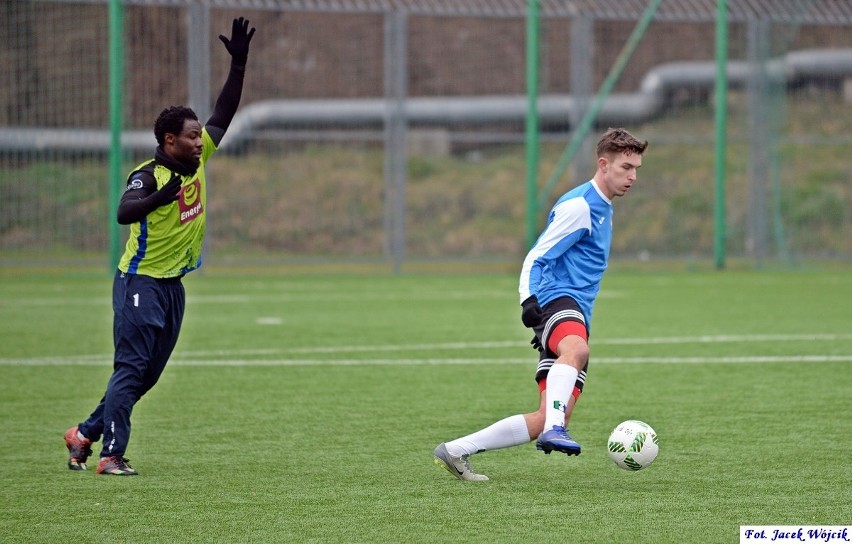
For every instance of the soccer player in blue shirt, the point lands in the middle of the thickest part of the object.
(560, 279)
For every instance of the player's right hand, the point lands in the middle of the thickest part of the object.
(168, 193)
(536, 344)
(531, 312)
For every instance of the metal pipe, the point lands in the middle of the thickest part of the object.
(554, 110)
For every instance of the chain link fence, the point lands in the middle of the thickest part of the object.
(394, 131)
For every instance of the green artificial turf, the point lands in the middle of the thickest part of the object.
(305, 408)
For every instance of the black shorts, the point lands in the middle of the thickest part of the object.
(148, 313)
(560, 315)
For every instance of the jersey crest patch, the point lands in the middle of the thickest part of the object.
(135, 183)
(189, 202)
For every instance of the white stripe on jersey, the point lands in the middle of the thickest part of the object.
(568, 216)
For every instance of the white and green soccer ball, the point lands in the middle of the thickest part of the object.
(633, 445)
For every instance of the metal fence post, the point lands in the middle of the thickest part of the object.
(395, 134)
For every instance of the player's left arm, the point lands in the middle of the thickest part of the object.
(229, 98)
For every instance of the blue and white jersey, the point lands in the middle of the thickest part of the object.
(570, 256)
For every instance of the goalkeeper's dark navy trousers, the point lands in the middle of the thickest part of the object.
(147, 317)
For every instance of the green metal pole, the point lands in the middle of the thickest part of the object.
(531, 139)
(116, 79)
(585, 124)
(721, 128)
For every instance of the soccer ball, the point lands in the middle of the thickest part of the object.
(633, 445)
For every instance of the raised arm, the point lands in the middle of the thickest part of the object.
(229, 98)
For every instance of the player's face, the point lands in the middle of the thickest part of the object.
(186, 146)
(619, 173)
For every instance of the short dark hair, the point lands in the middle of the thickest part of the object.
(171, 120)
(618, 140)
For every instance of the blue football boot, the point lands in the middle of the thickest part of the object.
(557, 439)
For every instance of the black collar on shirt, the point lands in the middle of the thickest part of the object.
(182, 168)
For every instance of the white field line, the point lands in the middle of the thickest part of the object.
(506, 361)
(71, 361)
(192, 299)
(236, 357)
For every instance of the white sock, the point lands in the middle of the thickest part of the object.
(560, 385)
(80, 436)
(511, 431)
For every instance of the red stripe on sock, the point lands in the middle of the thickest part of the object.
(542, 386)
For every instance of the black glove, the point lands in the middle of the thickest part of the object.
(166, 194)
(536, 344)
(238, 45)
(531, 312)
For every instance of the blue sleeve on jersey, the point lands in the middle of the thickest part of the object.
(561, 247)
(568, 223)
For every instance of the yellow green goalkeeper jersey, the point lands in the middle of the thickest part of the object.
(167, 242)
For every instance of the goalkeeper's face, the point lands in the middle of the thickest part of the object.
(187, 145)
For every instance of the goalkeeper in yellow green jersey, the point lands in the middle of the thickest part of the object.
(165, 204)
